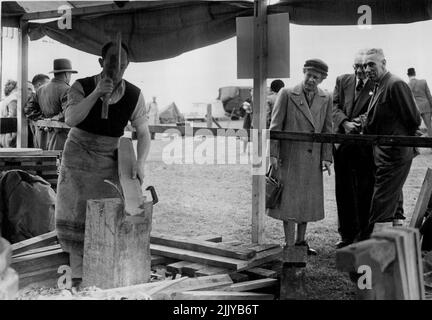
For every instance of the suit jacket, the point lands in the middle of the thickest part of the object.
(421, 94)
(345, 106)
(392, 111)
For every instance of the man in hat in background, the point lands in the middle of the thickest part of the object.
(51, 99)
(304, 108)
(392, 111)
(33, 112)
(353, 164)
(422, 97)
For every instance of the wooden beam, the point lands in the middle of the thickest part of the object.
(259, 120)
(252, 285)
(23, 40)
(359, 139)
(422, 201)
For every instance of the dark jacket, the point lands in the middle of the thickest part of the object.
(392, 111)
(345, 107)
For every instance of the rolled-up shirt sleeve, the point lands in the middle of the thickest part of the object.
(75, 95)
(140, 113)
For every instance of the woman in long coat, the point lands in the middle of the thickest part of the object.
(304, 108)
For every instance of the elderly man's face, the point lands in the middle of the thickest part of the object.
(359, 67)
(375, 66)
(110, 61)
(312, 79)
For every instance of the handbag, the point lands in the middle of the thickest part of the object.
(273, 190)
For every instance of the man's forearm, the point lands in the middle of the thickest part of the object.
(76, 114)
(143, 146)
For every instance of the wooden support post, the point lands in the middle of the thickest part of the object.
(422, 201)
(116, 251)
(259, 120)
(22, 136)
(209, 117)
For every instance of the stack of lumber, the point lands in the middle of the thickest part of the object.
(34, 161)
(216, 287)
(203, 258)
(38, 259)
(394, 258)
(8, 276)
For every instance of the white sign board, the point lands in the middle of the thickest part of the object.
(278, 45)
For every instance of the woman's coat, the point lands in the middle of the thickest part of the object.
(302, 197)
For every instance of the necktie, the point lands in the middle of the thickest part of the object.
(358, 88)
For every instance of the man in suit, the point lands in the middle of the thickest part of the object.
(353, 164)
(422, 97)
(392, 111)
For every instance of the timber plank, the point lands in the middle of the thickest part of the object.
(219, 249)
(35, 242)
(213, 260)
(177, 267)
(221, 295)
(31, 263)
(16, 152)
(38, 250)
(422, 201)
(408, 246)
(252, 285)
(400, 277)
(261, 273)
(132, 192)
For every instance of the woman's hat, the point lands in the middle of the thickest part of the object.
(62, 65)
(317, 65)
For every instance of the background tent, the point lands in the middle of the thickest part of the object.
(171, 114)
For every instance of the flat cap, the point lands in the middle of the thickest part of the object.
(317, 65)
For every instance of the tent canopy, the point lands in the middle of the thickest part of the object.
(156, 30)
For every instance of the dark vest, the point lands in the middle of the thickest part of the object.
(119, 113)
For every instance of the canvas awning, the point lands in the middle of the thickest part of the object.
(156, 30)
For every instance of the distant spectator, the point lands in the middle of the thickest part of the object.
(33, 112)
(8, 109)
(153, 112)
(275, 87)
(51, 99)
(423, 98)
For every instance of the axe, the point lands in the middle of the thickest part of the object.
(113, 68)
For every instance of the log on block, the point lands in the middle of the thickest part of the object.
(422, 201)
(35, 242)
(40, 267)
(221, 295)
(132, 191)
(5, 255)
(116, 251)
(8, 284)
(219, 249)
